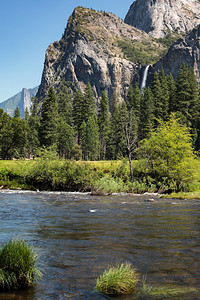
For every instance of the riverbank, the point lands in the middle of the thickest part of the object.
(97, 177)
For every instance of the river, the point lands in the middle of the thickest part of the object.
(77, 236)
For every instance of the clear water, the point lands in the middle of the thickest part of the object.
(77, 236)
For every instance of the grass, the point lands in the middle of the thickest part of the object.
(119, 280)
(17, 266)
(164, 291)
(96, 176)
(183, 195)
(123, 280)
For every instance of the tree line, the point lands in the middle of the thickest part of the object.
(78, 128)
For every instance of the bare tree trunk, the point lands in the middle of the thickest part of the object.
(130, 166)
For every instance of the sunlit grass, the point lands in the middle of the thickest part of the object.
(163, 291)
(119, 280)
(17, 266)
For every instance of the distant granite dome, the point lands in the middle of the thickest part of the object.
(22, 100)
(157, 17)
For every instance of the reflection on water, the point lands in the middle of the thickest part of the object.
(77, 236)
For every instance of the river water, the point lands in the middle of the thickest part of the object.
(77, 236)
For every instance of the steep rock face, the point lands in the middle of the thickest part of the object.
(22, 100)
(89, 51)
(184, 51)
(157, 17)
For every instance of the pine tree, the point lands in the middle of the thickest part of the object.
(65, 139)
(17, 113)
(64, 99)
(133, 100)
(89, 107)
(156, 89)
(164, 95)
(114, 132)
(83, 107)
(49, 120)
(6, 136)
(129, 124)
(123, 117)
(83, 139)
(78, 117)
(103, 122)
(172, 93)
(19, 136)
(147, 115)
(92, 138)
(33, 125)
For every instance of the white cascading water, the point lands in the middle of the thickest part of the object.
(144, 79)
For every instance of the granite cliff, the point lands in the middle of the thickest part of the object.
(183, 51)
(99, 48)
(158, 17)
(22, 100)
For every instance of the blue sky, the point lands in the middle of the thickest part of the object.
(27, 27)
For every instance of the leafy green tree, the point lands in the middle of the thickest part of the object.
(168, 156)
(103, 121)
(49, 120)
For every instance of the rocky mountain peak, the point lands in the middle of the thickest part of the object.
(158, 17)
(99, 48)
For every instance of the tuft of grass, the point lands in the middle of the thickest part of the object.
(17, 266)
(119, 280)
(164, 291)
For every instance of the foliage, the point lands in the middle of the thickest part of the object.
(142, 52)
(48, 174)
(49, 120)
(168, 156)
(119, 280)
(103, 122)
(17, 265)
(164, 291)
(109, 185)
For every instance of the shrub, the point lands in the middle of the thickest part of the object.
(17, 266)
(119, 280)
(110, 185)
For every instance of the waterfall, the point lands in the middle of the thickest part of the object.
(144, 79)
